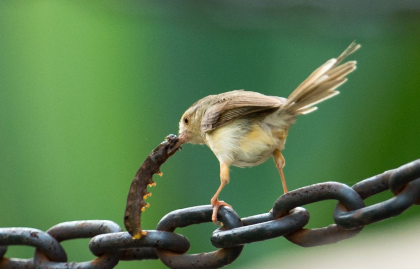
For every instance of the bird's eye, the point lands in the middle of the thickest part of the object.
(186, 120)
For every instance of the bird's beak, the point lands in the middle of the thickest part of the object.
(182, 138)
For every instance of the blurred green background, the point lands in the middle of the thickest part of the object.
(89, 88)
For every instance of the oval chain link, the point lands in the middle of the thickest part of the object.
(196, 215)
(315, 193)
(404, 197)
(130, 247)
(44, 243)
(261, 227)
(80, 229)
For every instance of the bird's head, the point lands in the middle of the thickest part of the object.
(190, 125)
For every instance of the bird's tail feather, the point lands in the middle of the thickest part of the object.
(320, 85)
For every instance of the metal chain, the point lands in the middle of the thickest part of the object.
(287, 218)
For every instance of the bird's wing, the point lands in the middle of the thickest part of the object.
(232, 105)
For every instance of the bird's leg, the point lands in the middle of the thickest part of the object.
(280, 162)
(224, 179)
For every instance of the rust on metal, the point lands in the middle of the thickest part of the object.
(111, 245)
(143, 178)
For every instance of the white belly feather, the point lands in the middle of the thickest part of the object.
(244, 144)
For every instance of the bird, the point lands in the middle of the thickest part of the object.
(246, 128)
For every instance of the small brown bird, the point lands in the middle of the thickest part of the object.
(245, 128)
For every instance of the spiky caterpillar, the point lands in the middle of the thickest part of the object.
(143, 178)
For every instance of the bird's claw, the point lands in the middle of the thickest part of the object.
(216, 204)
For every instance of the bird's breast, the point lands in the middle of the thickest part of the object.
(243, 143)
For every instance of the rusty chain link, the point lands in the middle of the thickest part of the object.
(287, 218)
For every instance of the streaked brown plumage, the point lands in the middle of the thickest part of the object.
(245, 128)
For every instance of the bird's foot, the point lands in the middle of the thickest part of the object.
(216, 204)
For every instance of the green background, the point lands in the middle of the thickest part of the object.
(89, 88)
